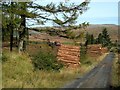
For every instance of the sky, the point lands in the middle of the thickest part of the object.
(100, 12)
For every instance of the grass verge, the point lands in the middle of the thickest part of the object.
(18, 72)
(115, 81)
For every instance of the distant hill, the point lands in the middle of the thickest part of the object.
(94, 29)
(97, 28)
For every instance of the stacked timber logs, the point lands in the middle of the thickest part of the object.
(104, 50)
(94, 50)
(69, 55)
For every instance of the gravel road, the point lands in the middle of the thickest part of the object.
(98, 77)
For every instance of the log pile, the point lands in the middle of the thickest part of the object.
(69, 55)
(94, 50)
(104, 50)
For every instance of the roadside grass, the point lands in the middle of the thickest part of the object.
(89, 62)
(0, 75)
(18, 72)
(115, 81)
(15, 69)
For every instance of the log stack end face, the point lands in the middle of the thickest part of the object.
(96, 50)
(69, 55)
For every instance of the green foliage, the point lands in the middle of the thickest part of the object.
(99, 39)
(83, 50)
(115, 75)
(14, 22)
(115, 49)
(18, 72)
(71, 34)
(104, 39)
(15, 70)
(89, 39)
(84, 59)
(4, 58)
(46, 61)
(15, 15)
(92, 39)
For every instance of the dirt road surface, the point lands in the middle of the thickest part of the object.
(98, 77)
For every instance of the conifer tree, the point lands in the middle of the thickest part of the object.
(50, 12)
(105, 38)
(91, 39)
(99, 39)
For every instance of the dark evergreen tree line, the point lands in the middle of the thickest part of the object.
(103, 38)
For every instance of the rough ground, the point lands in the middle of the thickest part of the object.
(99, 77)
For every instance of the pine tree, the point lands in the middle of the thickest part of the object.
(99, 39)
(88, 41)
(91, 39)
(16, 13)
(20, 11)
(105, 38)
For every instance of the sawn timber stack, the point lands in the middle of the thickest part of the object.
(69, 55)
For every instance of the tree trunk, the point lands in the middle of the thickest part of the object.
(22, 35)
(11, 38)
(20, 47)
(3, 34)
(11, 28)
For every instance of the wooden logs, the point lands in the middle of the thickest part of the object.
(69, 55)
(96, 50)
